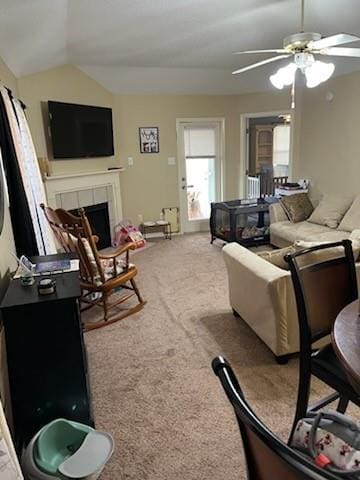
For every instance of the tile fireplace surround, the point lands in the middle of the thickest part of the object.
(71, 191)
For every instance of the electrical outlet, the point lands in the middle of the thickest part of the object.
(171, 160)
(130, 161)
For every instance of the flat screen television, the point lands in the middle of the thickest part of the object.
(80, 131)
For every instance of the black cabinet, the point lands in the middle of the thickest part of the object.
(46, 355)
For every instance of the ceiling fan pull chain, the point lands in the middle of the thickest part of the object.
(293, 94)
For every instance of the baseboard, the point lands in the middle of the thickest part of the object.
(160, 235)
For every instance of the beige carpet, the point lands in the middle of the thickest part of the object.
(151, 379)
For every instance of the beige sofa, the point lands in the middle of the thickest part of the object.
(262, 293)
(263, 296)
(284, 233)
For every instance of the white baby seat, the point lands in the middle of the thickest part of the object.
(94, 452)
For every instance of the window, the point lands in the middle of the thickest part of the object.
(281, 150)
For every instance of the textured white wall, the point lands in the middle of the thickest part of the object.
(329, 148)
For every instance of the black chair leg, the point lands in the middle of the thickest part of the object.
(343, 404)
(302, 397)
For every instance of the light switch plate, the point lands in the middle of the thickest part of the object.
(130, 161)
(171, 161)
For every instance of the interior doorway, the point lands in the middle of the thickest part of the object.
(200, 154)
(266, 152)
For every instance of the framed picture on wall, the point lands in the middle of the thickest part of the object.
(149, 139)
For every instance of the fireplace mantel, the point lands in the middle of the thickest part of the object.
(83, 174)
(83, 189)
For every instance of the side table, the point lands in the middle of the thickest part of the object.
(46, 355)
(152, 227)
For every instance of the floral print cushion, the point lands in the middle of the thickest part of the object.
(108, 266)
(341, 454)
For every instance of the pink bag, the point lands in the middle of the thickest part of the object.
(126, 232)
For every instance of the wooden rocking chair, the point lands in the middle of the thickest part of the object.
(101, 274)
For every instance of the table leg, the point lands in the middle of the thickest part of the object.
(167, 230)
(261, 222)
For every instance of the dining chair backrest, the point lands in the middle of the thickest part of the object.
(324, 279)
(267, 457)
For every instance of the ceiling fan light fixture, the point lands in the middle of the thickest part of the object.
(304, 47)
(303, 60)
(276, 80)
(318, 73)
(284, 76)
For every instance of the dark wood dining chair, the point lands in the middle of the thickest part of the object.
(267, 457)
(322, 289)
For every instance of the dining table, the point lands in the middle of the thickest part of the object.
(345, 339)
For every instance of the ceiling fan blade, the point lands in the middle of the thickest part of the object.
(341, 52)
(259, 64)
(334, 40)
(271, 50)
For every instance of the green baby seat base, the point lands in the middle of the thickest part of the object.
(58, 441)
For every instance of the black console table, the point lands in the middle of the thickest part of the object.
(46, 354)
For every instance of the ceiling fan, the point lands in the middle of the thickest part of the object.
(303, 47)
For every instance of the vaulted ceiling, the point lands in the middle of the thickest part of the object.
(163, 46)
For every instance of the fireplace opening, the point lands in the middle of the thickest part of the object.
(98, 216)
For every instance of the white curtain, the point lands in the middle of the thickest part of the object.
(9, 464)
(30, 172)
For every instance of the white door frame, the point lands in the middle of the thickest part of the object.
(244, 153)
(180, 153)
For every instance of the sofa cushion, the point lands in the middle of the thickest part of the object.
(351, 220)
(318, 256)
(297, 207)
(298, 231)
(331, 210)
(331, 236)
(328, 254)
(276, 257)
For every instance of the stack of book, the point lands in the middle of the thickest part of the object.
(290, 186)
